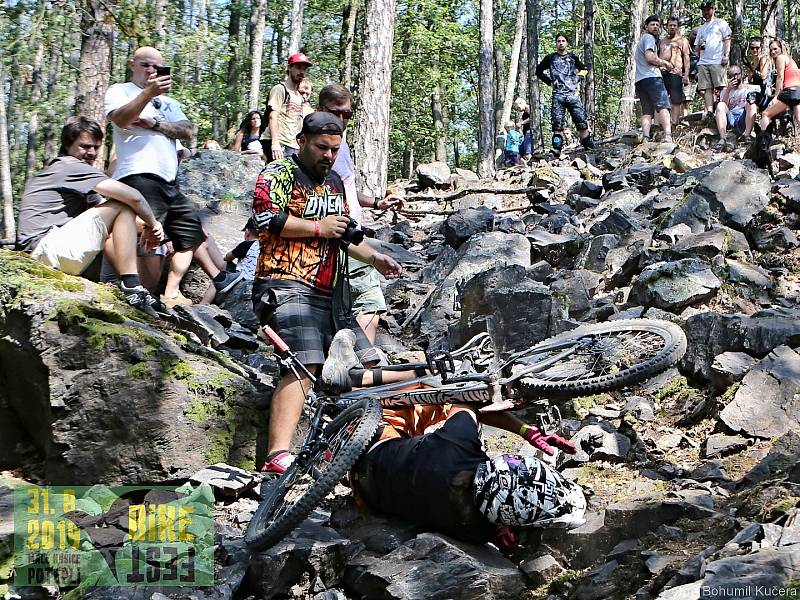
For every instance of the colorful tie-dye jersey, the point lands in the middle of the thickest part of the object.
(283, 187)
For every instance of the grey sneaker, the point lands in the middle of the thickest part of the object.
(227, 284)
(139, 298)
(341, 358)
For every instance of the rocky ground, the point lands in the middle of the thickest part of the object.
(692, 476)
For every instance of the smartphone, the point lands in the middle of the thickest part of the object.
(162, 70)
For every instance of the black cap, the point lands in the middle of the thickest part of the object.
(251, 224)
(322, 122)
(706, 4)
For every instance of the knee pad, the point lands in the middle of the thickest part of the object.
(558, 141)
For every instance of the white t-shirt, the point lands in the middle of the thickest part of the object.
(343, 167)
(141, 150)
(737, 97)
(712, 35)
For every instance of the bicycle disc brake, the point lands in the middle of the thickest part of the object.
(549, 420)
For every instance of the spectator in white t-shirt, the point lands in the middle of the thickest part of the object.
(147, 124)
(733, 109)
(713, 46)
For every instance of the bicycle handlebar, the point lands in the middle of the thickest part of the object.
(275, 338)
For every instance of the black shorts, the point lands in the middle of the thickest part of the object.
(304, 320)
(653, 95)
(674, 85)
(173, 210)
(790, 96)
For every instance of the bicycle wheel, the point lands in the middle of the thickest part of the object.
(306, 482)
(608, 356)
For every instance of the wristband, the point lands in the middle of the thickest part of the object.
(375, 202)
(317, 229)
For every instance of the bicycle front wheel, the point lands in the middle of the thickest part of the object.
(307, 481)
(606, 356)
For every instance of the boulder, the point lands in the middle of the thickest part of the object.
(789, 190)
(730, 367)
(753, 275)
(736, 192)
(693, 211)
(466, 177)
(434, 174)
(463, 224)
(238, 303)
(718, 240)
(675, 285)
(435, 567)
(159, 406)
(599, 442)
(560, 250)
(541, 569)
(682, 162)
(576, 290)
(595, 251)
(744, 576)
(627, 200)
(719, 444)
(616, 222)
(767, 404)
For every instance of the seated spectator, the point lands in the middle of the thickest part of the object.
(247, 140)
(246, 256)
(733, 109)
(64, 222)
(513, 142)
(783, 72)
(211, 144)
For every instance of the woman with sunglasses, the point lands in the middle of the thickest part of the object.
(250, 131)
(787, 84)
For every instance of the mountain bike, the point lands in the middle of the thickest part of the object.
(587, 360)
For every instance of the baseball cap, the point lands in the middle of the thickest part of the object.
(299, 59)
(251, 224)
(707, 4)
(322, 122)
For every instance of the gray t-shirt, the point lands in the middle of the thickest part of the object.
(643, 68)
(54, 196)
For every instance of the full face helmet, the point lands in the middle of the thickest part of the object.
(522, 491)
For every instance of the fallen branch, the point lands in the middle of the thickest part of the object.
(446, 213)
(467, 191)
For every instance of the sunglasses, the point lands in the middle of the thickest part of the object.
(342, 114)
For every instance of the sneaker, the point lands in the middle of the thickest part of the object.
(341, 358)
(139, 298)
(543, 442)
(720, 145)
(278, 463)
(177, 299)
(231, 279)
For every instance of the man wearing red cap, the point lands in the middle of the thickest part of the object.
(285, 109)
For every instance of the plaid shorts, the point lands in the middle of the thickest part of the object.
(304, 320)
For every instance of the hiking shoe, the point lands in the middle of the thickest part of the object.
(139, 298)
(720, 145)
(177, 299)
(341, 358)
(231, 279)
(278, 463)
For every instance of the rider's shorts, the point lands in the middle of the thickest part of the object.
(573, 104)
(365, 288)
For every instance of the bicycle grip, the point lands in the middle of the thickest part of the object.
(276, 340)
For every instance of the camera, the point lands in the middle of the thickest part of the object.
(353, 234)
(162, 70)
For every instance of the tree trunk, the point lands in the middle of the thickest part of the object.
(408, 161)
(440, 146)
(738, 40)
(533, 10)
(522, 76)
(95, 63)
(780, 29)
(53, 71)
(202, 35)
(513, 67)
(456, 155)
(260, 15)
(375, 86)
(658, 8)
(160, 21)
(769, 21)
(233, 68)
(33, 110)
(499, 89)
(297, 26)
(588, 60)
(349, 18)
(486, 92)
(9, 226)
(626, 103)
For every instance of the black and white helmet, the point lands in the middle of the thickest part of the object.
(521, 490)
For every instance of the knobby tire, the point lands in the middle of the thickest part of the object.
(277, 516)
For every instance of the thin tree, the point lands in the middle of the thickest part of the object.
(33, 111)
(588, 59)
(636, 19)
(9, 226)
(737, 28)
(486, 91)
(94, 68)
(297, 26)
(513, 67)
(375, 84)
(533, 12)
(259, 16)
(160, 20)
(349, 18)
(437, 112)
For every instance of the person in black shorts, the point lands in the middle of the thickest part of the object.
(674, 48)
(442, 479)
(649, 83)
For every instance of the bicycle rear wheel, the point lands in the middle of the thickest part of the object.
(296, 493)
(608, 356)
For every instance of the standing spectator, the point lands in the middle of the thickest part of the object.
(285, 109)
(787, 84)
(65, 222)
(249, 133)
(304, 89)
(733, 109)
(649, 83)
(525, 124)
(512, 145)
(675, 49)
(565, 70)
(365, 285)
(713, 45)
(147, 124)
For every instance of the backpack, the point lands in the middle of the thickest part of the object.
(269, 109)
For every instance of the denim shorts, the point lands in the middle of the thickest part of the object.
(653, 95)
